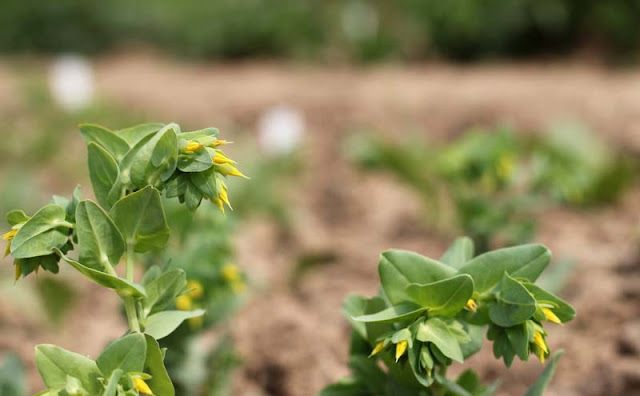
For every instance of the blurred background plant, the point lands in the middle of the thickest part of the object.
(347, 29)
(492, 181)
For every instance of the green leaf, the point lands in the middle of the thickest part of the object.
(105, 138)
(200, 134)
(205, 182)
(161, 324)
(443, 298)
(103, 172)
(160, 383)
(122, 286)
(525, 261)
(476, 334)
(162, 291)
(563, 311)
(397, 313)
(376, 329)
(55, 364)
(518, 337)
(40, 233)
(399, 268)
(134, 134)
(17, 217)
(514, 304)
(100, 243)
(354, 305)
(460, 251)
(157, 158)
(127, 354)
(197, 161)
(141, 220)
(538, 387)
(111, 387)
(437, 332)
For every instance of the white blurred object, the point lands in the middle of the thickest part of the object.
(281, 129)
(71, 82)
(359, 20)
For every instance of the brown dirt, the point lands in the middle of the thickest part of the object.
(293, 339)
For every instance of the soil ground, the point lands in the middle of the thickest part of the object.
(293, 339)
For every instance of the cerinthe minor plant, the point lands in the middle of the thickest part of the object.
(431, 313)
(129, 170)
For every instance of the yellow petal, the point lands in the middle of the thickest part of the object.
(18, 270)
(217, 143)
(7, 250)
(184, 302)
(401, 347)
(539, 341)
(9, 235)
(195, 289)
(221, 158)
(471, 305)
(141, 386)
(379, 347)
(551, 317)
(218, 203)
(541, 354)
(192, 146)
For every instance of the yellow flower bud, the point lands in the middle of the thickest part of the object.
(195, 289)
(551, 317)
(141, 386)
(230, 272)
(379, 347)
(192, 146)
(184, 302)
(401, 347)
(471, 305)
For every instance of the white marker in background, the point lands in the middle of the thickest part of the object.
(281, 129)
(71, 82)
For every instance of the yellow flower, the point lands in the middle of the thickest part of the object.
(379, 347)
(9, 237)
(471, 305)
(221, 158)
(184, 302)
(229, 170)
(141, 386)
(543, 349)
(195, 289)
(401, 347)
(551, 317)
(222, 198)
(192, 146)
(230, 272)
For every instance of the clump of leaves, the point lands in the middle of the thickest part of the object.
(431, 313)
(129, 170)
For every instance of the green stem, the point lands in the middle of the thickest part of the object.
(132, 316)
(129, 302)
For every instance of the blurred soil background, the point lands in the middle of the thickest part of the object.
(426, 69)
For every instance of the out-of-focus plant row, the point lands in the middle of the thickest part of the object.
(345, 29)
(490, 183)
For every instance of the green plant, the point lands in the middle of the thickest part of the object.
(430, 313)
(201, 247)
(129, 169)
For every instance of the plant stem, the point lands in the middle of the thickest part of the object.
(129, 302)
(132, 316)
